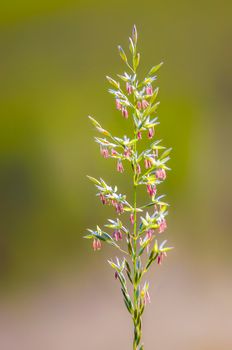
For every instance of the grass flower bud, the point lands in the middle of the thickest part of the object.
(162, 226)
(120, 168)
(132, 219)
(124, 112)
(104, 152)
(128, 88)
(151, 189)
(161, 257)
(138, 169)
(149, 233)
(147, 163)
(147, 298)
(139, 105)
(113, 152)
(149, 90)
(161, 174)
(96, 244)
(127, 152)
(103, 198)
(151, 133)
(119, 208)
(145, 104)
(118, 105)
(117, 235)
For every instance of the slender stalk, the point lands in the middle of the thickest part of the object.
(135, 255)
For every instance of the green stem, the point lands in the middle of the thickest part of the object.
(136, 316)
(135, 237)
(135, 253)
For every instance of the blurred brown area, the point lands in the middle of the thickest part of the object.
(55, 293)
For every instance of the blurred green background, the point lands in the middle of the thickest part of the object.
(53, 62)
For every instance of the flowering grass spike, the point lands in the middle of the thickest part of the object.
(136, 101)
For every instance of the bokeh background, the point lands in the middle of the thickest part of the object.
(54, 292)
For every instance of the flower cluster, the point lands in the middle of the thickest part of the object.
(136, 101)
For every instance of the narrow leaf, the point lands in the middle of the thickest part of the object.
(122, 54)
(155, 68)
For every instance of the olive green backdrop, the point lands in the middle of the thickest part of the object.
(53, 62)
